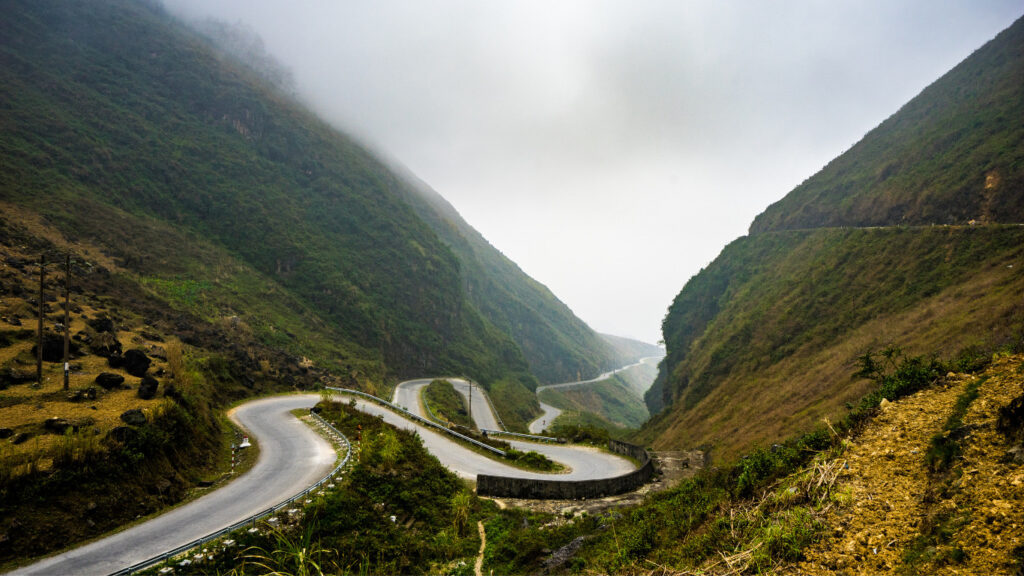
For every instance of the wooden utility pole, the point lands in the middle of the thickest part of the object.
(67, 320)
(39, 343)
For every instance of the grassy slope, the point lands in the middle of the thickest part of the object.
(617, 401)
(56, 490)
(778, 354)
(125, 132)
(760, 342)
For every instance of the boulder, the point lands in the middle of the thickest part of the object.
(122, 434)
(107, 345)
(53, 347)
(136, 362)
(6, 433)
(20, 438)
(11, 377)
(147, 388)
(101, 324)
(79, 395)
(56, 425)
(134, 417)
(1011, 419)
(109, 381)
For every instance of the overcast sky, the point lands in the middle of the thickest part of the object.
(612, 148)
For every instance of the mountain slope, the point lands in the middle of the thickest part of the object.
(949, 156)
(126, 131)
(200, 181)
(762, 343)
(557, 345)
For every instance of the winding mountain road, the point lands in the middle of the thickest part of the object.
(584, 463)
(550, 412)
(292, 457)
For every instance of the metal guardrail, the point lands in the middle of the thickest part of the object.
(417, 418)
(527, 436)
(251, 520)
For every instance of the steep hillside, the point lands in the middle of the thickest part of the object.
(119, 123)
(632, 349)
(557, 345)
(201, 182)
(761, 342)
(951, 155)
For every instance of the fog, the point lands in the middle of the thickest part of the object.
(612, 148)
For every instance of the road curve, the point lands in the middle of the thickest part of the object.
(550, 412)
(585, 463)
(292, 457)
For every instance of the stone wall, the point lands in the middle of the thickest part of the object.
(502, 487)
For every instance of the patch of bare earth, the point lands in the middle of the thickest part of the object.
(904, 518)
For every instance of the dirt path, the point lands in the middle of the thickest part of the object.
(478, 568)
(966, 522)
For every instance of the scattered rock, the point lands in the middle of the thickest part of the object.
(56, 425)
(53, 347)
(136, 362)
(101, 324)
(79, 395)
(107, 345)
(147, 388)
(1014, 455)
(563, 554)
(109, 381)
(1011, 419)
(884, 405)
(171, 391)
(11, 377)
(122, 434)
(134, 417)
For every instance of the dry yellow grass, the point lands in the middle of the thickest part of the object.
(26, 407)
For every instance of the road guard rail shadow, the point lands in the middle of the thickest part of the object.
(251, 520)
(528, 488)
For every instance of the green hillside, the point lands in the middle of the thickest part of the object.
(951, 155)
(557, 345)
(612, 399)
(762, 343)
(128, 135)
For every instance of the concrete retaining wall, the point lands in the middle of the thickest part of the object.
(502, 487)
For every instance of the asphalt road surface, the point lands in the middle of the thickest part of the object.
(585, 463)
(542, 421)
(292, 457)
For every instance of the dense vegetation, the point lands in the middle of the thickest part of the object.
(754, 516)
(759, 342)
(445, 403)
(397, 511)
(197, 178)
